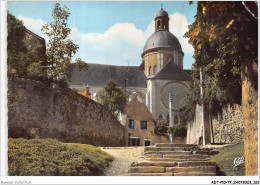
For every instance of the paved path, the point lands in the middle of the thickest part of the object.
(124, 156)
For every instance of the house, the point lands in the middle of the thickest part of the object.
(140, 125)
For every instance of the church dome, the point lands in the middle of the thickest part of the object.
(161, 13)
(162, 39)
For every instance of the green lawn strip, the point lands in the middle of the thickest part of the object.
(225, 159)
(49, 157)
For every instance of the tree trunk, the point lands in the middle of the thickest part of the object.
(250, 112)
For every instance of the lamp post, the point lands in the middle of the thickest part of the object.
(125, 80)
(202, 107)
(170, 115)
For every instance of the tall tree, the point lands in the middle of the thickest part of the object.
(113, 98)
(25, 55)
(60, 49)
(222, 38)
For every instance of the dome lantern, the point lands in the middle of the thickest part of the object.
(161, 21)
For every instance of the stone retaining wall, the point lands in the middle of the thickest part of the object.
(38, 110)
(229, 126)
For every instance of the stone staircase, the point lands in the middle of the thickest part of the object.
(173, 160)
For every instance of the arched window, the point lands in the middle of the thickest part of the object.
(155, 69)
(176, 119)
(160, 116)
(150, 70)
(163, 24)
(158, 23)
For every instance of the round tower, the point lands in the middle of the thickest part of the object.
(161, 47)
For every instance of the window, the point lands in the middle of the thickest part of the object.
(131, 124)
(160, 116)
(146, 63)
(160, 60)
(143, 125)
(158, 23)
(150, 70)
(176, 59)
(155, 69)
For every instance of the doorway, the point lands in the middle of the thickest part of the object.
(133, 141)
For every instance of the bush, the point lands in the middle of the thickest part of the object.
(48, 157)
(177, 130)
(161, 129)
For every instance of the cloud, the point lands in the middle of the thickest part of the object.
(121, 44)
(34, 25)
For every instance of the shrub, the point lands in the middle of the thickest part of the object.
(177, 130)
(48, 157)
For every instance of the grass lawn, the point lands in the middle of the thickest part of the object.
(48, 157)
(225, 159)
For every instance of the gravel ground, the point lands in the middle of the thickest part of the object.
(124, 157)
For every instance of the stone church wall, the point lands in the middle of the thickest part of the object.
(37, 110)
(227, 127)
(155, 87)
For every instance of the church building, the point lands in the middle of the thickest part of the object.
(159, 82)
(162, 58)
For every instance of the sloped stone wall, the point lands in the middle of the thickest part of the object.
(194, 130)
(38, 110)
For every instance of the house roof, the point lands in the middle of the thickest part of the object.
(137, 110)
(172, 72)
(100, 74)
(87, 95)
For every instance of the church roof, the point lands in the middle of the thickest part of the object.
(162, 39)
(100, 74)
(172, 72)
(137, 110)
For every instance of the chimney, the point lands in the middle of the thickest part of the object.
(87, 90)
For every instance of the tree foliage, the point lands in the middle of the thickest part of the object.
(223, 34)
(113, 98)
(60, 49)
(23, 54)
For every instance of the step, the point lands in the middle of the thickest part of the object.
(147, 169)
(168, 152)
(188, 157)
(205, 169)
(158, 149)
(194, 174)
(196, 163)
(165, 159)
(154, 155)
(151, 174)
(154, 163)
(174, 145)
